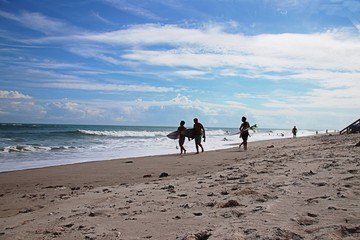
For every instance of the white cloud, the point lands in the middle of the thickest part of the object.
(13, 94)
(318, 99)
(268, 56)
(332, 50)
(190, 73)
(107, 87)
(66, 109)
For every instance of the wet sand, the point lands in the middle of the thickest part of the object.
(303, 188)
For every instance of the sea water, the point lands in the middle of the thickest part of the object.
(25, 146)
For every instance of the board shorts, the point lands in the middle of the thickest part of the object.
(245, 136)
(198, 139)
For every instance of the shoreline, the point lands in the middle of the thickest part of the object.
(230, 144)
(281, 188)
(112, 163)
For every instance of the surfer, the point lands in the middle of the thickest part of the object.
(294, 131)
(199, 131)
(244, 132)
(180, 129)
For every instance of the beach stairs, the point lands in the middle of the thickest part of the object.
(352, 128)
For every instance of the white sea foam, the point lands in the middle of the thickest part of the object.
(140, 133)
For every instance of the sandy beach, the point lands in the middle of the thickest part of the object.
(303, 188)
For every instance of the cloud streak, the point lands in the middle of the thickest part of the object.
(204, 48)
(39, 22)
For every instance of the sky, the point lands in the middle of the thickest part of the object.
(280, 63)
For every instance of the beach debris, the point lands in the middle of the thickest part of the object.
(319, 184)
(348, 231)
(358, 144)
(210, 204)
(28, 210)
(57, 186)
(336, 208)
(163, 174)
(197, 214)
(91, 214)
(237, 213)
(169, 188)
(230, 203)
(250, 231)
(270, 146)
(204, 235)
(310, 173)
(64, 196)
(285, 234)
(185, 205)
(258, 208)
(224, 192)
(305, 220)
(147, 176)
(69, 225)
(129, 161)
(106, 190)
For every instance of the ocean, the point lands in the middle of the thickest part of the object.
(26, 146)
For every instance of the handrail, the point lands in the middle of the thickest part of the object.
(348, 127)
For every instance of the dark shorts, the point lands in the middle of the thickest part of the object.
(198, 139)
(245, 136)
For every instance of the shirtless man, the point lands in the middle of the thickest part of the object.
(199, 131)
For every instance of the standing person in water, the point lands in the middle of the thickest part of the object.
(180, 129)
(199, 131)
(244, 132)
(294, 131)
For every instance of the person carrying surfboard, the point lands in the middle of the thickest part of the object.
(199, 131)
(244, 132)
(180, 129)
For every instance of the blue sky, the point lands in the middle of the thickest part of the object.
(156, 62)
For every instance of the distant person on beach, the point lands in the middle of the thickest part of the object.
(199, 131)
(294, 131)
(244, 132)
(180, 129)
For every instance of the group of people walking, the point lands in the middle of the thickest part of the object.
(199, 133)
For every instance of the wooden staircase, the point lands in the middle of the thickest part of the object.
(352, 128)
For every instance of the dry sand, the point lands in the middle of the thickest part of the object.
(303, 188)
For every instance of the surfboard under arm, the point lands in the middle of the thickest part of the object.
(253, 127)
(173, 135)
